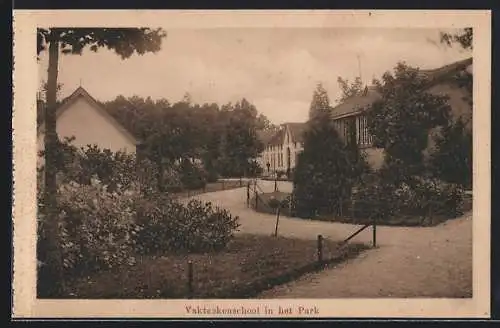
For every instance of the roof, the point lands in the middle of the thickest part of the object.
(265, 135)
(278, 138)
(82, 93)
(356, 104)
(296, 130)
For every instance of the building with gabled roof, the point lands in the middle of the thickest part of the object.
(440, 81)
(84, 118)
(282, 149)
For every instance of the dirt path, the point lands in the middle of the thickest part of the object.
(409, 262)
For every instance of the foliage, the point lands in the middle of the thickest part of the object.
(324, 174)
(452, 159)
(113, 169)
(97, 227)
(192, 176)
(168, 226)
(349, 89)
(421, 197)
(320, 105)
(172, 179)
(124, 41)
(240, 141)
(401, 120)
(464, 38)
(223, 138)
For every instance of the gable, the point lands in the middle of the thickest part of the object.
(89, 124)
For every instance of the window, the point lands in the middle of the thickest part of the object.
(365, 139)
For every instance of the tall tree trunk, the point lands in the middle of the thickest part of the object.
(54, 261)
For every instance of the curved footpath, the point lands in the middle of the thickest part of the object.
(409, 261)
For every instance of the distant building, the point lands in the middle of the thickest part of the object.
(82, 117)
(281, 149)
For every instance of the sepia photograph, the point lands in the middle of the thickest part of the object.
(254, 163)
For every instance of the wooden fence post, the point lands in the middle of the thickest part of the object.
(256, 199)
(277, 220)
(340, 207)
(248, 194)
(320, 248)
(374, 230)
(430, 213)
(190, 279)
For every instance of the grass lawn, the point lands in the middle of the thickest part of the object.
(263, 201)
(399, 220)
(249, 265)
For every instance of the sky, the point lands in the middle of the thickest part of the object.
(275, 69)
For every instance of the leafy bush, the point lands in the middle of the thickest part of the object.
(116, 170)
(192, 176)
(212, 176)
(172, 180)
(440, 197)
(420, 197)
(452, 159)
(374, 199)
(168, 226)
(97, 226)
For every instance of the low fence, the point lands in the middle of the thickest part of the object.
(327, 252)
(220, 185)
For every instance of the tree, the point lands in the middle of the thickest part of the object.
(263, 123)
(323, 176)
(349, 89)
(452, 159)
(240, 143)
(320, 104)
(401, 120)
(124, 42)
(464, 38)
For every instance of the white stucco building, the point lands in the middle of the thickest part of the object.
(282, 149)
(82, 117)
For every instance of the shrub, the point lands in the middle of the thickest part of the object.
(374, 199)
(420, 197)
(212, 176)
(97, 227)
(452, 159)
(172, 180)
(148, 176)
(168, 226)
(445, 198)
(328, 167)
(116, 170)
(192, 176)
